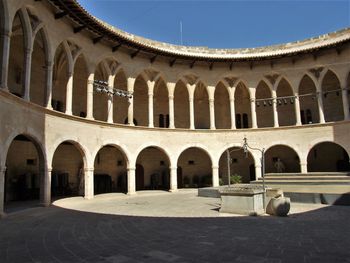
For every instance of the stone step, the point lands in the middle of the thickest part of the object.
(303, 177)
(305, 182)
(311, 174)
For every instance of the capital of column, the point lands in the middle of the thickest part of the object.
(89, 169)
(215, 167)
(28, 51)
(150, 94)
(173, 168)
(3, 169)
(6, 33)
(131, 169)
(171, 97)
(190, 99)
(211, 101)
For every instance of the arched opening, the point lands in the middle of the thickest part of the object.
(16, 58)
(120, 104)
(281, 159)
(80, 87)
(264, 109)
(161, 105)
(348, 92)
(152, 169)
(242, 107)
(240, 164)
(38, 70)
(222, 107)
(60, 79)
(110, 170)
(285, 104)
(181, 106)
(196, 168)
(332, 98)
(141, 101)
(67, 176)
(100, 98)
(201, 107)
(328, 157)
(25, 169)
(308, 101)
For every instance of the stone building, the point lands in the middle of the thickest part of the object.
(59, 136)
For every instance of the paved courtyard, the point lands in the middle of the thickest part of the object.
(171, 227)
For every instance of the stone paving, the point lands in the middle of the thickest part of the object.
(171, 227)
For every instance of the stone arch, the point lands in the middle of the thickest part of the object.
(201, 106)
(25, 168)
(281, 158)
(222, 106)
(153, 168)
(68, 169)
(181, 105)
(240, 164)
(285, 102)
(307, 91)
(242, 105)
(328, 156)
(120, 104)
(332, 97)
(141, 100)
(161, 104)
(194, 167)
(264, 108)
(110, 169)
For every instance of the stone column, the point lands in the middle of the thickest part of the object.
(131, 82)
(171, 89)
(258, 173)
(90, 97)
(150, 85)
(215, 174)
(297, 110)
(110, 100)
(89, 183)
(345, 103)
(212, 113)
(191, 113)
(27, 72)
(2, 191)
(173, 179)
(274, 108)
(253, 110)
(320, 107)
(45, 188)
(233, 113)
(5, 54)
(69, 93)
(49, 73)
(131, 180)
(303, 167)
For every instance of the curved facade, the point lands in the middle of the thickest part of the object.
(59, 136)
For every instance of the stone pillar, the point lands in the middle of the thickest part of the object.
(253, 110)
(320, 107)
(45, 188)
(89, 183)
(90, 97)
(191, 113)
(150, 85)
(110, 100)
(5, 54)
(173, 179)
(49, 73)
(212, 113)
(27, 72)
(345, 103)
(233, 113)
(2, 191)
(131, 180)
(215, 174)
(303, 167)
(258, 173)
(131, 82)
(297, 110)
(274, 108)
(69, 93)
(171, 89)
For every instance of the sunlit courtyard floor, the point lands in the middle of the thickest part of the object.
(171, 227)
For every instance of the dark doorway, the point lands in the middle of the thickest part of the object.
(179, 177)
(139, 177)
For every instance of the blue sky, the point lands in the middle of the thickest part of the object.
(223, 24)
